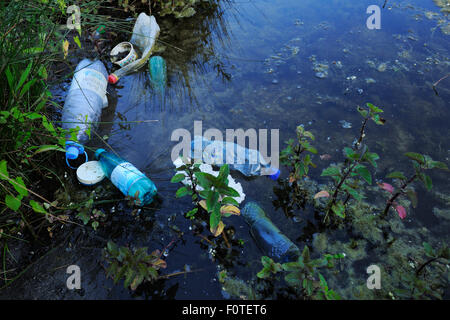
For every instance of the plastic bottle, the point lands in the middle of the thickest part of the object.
(84, 103)
(249, 162)
(145, 33)
(158, 73)
(126, 177)
(267, 236)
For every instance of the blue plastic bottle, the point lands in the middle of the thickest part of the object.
(267, 236)
(126, 177)
(249, 162)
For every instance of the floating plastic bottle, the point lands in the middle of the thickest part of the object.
(158, 73)
(127, 178)
(84, 103)
(249, 162)
(267, 236)
(145, 33)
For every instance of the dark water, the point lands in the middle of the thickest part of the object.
(250, 65)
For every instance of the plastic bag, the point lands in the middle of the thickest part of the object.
(145, 33)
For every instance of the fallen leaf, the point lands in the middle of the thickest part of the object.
(203, 204)
(386, 186)
(292, 178)
(65, 48)
(322, 194)
(217, 231)
(230, 209)
(325, 157)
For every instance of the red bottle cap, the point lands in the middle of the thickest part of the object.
(112, 78)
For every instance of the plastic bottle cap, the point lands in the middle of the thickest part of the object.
(112, 78)
(72, 153)
(90, 173)
(274, 176)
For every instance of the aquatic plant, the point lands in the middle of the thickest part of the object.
(347, 177)
(133, 265)
(420, 163)
(304, 274)
(423, 285)
(214, 195)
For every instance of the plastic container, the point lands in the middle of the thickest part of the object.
(267, 236)
(84, 103)
(145, 33)
(123, 47)
(249, 162)
(126, 177)
(90, 173)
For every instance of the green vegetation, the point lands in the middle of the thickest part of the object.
(133, 265)
(209, 193)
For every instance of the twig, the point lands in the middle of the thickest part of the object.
(437, 82)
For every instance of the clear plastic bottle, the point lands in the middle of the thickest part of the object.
(84, 102)
(249, 162)
(267, 236)
(126, 177)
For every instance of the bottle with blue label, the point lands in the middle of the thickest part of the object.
(84, 103)
(268, 237)
(249, 162)
(127, 178)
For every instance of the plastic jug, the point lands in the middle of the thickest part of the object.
(126, 177)
(267, 236)
(84, 103)
(249, 162)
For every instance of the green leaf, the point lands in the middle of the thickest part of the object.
(396, 175)
(371, 157)
(427, 181)
(428, 250)
(205, 180)
(292, 266)
(350, 154)
(12, 202)
(293, 279)
(339, 209)
(229, 200)
(191, 213)
(19, 186)
(374, 109)
(211, 201)
(364, 173)
(437, 165)
(24, 76)
(416, 157)
(215, 217)
(77, 41)
(264, 273)
(412, 196)
(362, 112)
(223, 173)
(3, 170)
(354, 193)
(183, 191)
(178, 178)
(331, 171)
(45, 148)
(305, 254)
(10, 79)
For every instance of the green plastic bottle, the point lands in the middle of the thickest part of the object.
(158, 73)
(127, 178)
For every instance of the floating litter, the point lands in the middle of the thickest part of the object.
(90, 173)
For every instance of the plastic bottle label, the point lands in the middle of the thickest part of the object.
(90, 79)
(124, 175)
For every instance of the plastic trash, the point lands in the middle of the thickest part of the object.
(126, 177)
(208, 169)
(84, 103)
(249, 162)
(90, 173)
(267, 236)
(158, 73)
(145, 33)
(126, 50)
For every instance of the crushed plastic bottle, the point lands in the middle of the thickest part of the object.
(127, 178)
(249, 162)
(84, 103)
(267, 236)
(145, 33)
